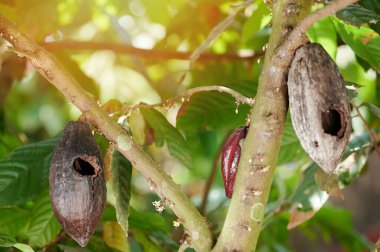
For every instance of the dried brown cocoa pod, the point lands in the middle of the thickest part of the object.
(77, 183)
(319, 106)
(230, 158)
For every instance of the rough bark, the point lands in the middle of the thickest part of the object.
(261, 146)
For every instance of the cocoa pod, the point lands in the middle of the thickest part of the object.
(230, 158)
(319, 106)
(77, 183)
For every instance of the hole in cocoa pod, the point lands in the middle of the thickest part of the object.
(83, 167)
(333, 122)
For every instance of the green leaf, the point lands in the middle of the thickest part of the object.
(121, 173)
(24, 172)
(23, 247)
(147, 244)
(323, 32)
(164, 131)
(356, 154)
(44, 227)
(364, 41)
(357, 15)
(137, 125)
(66, 248)
(215, 110)
(8, 143)
(375, 110)
(115, 237)
(9, 241)
(97, 244)
(147, 221)
(373, 5)
(14, 221)
(308, 196)
(338, 224)
(260, 17)
(291, 149)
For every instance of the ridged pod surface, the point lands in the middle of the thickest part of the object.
(230, 158)
(77, 183)
(319, 106)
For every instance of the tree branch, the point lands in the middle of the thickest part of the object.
(239, 98)
(144, 53)
(48, 66)
(298, 37)
(261, 146)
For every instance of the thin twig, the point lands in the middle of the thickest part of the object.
(239, 98)
(371, 135)
(143, 53)
(214, 34)
(217, 30)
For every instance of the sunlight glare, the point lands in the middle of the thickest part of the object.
(143, 41)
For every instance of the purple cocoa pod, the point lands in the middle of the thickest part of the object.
(230, 158)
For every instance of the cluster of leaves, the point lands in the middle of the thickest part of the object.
(191, 131)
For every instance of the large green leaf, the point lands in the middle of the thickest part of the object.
(373, 5)
(307, 193)
(115, 237)
(291, 149)
(9, 241)
(147, 221)
(215, 110)
(24, 172)
(165, 132)
(121, 173)
(338, 224)
(358, 15)
(375, 110)
(147, 244)
(251, 34)
(323, 32)
(144, 221)
(364, 41)
(8, 143)
(44, 227)
(14, 221)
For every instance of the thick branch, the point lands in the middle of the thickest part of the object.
(261, 146)
(298, 36)
(48, 66)
(144, 53)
